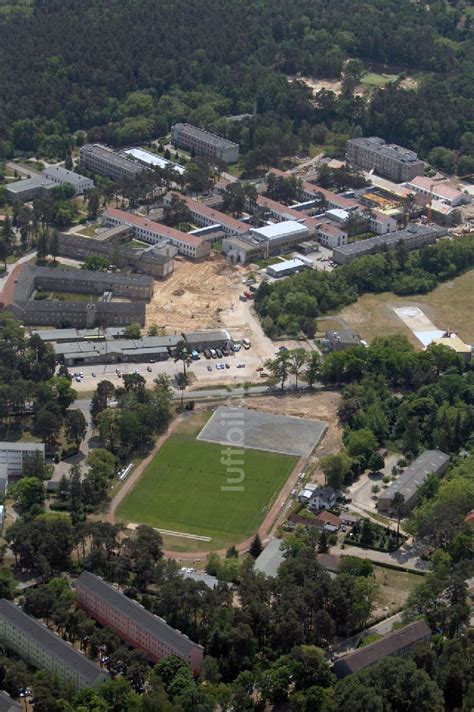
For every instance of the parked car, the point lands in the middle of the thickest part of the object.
(241, 365)
(213, 353)
(227, 365)
(209, 368)
(260, 368)
(93, 374)
(148, 368)
(219, 353)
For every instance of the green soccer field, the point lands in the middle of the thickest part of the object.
(182, 490)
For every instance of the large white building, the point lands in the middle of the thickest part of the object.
(331, 236)
(14, 455)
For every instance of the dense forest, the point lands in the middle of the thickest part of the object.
(125, 70)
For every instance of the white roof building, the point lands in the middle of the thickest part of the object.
(151, 159)
(280, 231)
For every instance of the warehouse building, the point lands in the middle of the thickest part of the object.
(60, 176)
(154, 233)
(399, 642)
(430, 462)
(145, 350)
(104, 161)
(22, 191)
(285, 268)
(14, 455)
(414, 237)
(389, 160)
(45, 650)
(133, 623)
(207, 339)
(204, 143)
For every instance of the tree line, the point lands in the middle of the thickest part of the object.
(292, 305)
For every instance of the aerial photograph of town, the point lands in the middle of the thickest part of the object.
(237, 356)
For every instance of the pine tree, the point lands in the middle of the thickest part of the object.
(323, 545)
(42, 244)
(256, 547)
(54, 246)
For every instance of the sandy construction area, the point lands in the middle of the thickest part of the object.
(195, 294)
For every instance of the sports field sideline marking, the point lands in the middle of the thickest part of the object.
(169, 532)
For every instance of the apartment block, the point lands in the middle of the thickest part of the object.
(155, 233)
(204, 143)
(43, 649)
(133, 623)
(104, 161)
(394, 162)
(13, 455)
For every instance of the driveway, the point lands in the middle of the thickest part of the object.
(89, 442)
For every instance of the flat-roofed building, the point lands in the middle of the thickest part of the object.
(104, 161)
(398, 642)
(342, 339)
(45, 650)
(413, 237)
(439, 191)
(285, 213)
(204, 143)
(269, 561)
(430, 462)
(288, 232)
(133, 623)
(15, 454)
(22, 191)
(154, 233)
(285, 268)
(394, 162)
(61, 176)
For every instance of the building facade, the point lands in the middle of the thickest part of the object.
(331, 236)
(45, 650)
(389, 160)
(154, 233)
(414, 237)
(60, 176)
(442, 192)
(156, 261)
(205, 216)
(104, 161)
(204, 143)
(13, 455)
(133, 623)
(22, 191)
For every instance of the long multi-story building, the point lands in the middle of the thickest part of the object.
(22, 191)
(104, 161)
(439, 191)
(204, 143)
(133, 623)
(13, 455)
(43, 649)
(389, 160)
(413, 237)
(154, 233)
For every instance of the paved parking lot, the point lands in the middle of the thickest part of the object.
(263, 431)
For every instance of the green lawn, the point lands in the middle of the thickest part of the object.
(182, 490)
(90, 230)
(372, 79)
